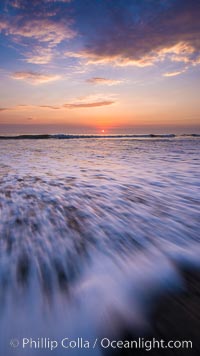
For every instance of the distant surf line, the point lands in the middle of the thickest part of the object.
(72, 136)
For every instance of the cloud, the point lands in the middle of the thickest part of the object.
(181, 52)
(30, 107)
(139, 33)
(15, 3)
(35, 77)
(39, 55)
(17, 108)
(173, 74)
(120, 33)
(90, 101)
(89, 104)
(42, 30)
(50, 107)
(34, 28)
(119, 60)
(103, 81)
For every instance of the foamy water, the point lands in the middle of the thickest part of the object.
(90, 231)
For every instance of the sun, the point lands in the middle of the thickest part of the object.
(103, 131)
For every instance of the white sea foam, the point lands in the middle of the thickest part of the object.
(91, 231)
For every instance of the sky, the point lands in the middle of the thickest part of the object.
(112, 66)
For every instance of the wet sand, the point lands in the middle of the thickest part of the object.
(176, 316)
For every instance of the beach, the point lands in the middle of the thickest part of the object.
(99, 239)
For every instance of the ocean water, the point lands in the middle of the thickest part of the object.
(91, 231)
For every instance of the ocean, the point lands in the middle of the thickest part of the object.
(92, 230)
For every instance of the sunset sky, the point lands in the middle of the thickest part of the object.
(92, 65)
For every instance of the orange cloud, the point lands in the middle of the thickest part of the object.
(173, 74)
(89, 105)
(103, 81)
(87, 102)
(91, 101)
(50, 107)
(18, 108)
(116, 60)
(35, 77)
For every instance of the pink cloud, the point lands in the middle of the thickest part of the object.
(89, 104)
(34, 77)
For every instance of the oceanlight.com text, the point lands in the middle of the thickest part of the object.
(105, 343)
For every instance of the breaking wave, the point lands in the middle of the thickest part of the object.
(68, 136)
